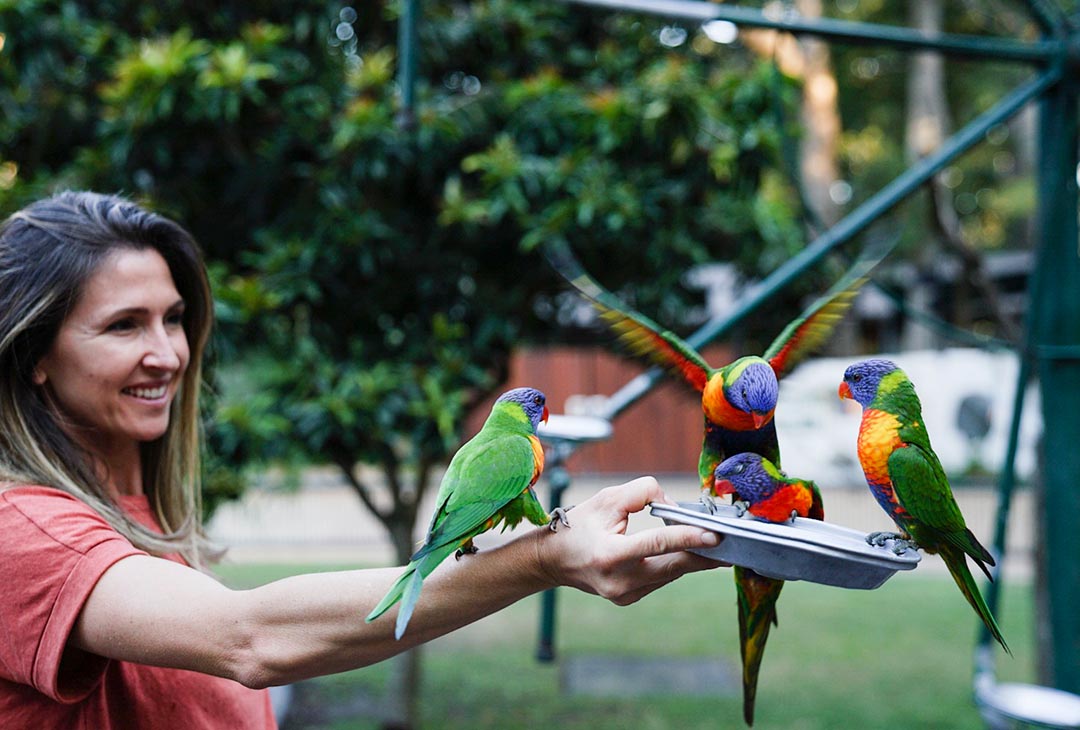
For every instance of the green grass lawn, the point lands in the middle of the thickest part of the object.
(898, 656)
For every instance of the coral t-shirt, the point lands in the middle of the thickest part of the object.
(53, 550)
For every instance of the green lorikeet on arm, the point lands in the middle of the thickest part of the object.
(906, 477)
(489, 481)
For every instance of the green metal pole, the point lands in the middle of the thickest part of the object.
(559, 479)
(845, 31)
(1057, 355)
(407, 51)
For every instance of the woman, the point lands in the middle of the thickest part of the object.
(109, 620)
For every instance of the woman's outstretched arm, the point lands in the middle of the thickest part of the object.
(158, 612)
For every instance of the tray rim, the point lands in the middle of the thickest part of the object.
(799, 534)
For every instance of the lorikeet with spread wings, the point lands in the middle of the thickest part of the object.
(488, 481)
(738, 401)
(764, 491)
(907, 479)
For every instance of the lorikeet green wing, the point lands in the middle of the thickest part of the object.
(488, 481)
(640, 335)
(811, 329)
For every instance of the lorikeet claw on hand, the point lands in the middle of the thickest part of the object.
(558, 516)
(466, 549)
(741, 507)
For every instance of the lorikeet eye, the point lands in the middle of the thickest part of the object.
(538, 400)
(856, 377)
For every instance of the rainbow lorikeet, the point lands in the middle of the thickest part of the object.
(489, 480)
(907, 479)
(738, 401)
(764, 491)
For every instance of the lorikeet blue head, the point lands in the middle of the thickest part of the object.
(862, 379)
(754, 389)
(531, 400)
(745, 476)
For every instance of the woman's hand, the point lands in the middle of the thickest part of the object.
(596, 555)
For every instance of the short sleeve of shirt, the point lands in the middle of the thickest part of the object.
(55, 548)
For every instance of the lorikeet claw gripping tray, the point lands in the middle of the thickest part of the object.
(802, 549)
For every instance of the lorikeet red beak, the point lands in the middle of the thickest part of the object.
(722, 487)
(844, 391)
(760, 419)
(545, 416)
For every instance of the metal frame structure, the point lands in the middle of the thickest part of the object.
(1051, 347)
(1051, 350)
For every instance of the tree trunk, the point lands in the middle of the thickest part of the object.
(403, 691)
(928, 124)
(927, 108)
(821, 123)
(810, 61)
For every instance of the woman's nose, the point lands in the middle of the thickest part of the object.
(162, 351)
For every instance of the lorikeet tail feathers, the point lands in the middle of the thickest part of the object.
(757, 615)
(393, 595)
(407, 588)
(956, 561)
(408, 603)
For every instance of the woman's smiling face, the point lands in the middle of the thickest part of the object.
(119, 356)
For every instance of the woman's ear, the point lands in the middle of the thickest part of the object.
(39, 376)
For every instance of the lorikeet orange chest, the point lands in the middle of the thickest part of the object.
(879, 437)
(538, 460)
(787, 499)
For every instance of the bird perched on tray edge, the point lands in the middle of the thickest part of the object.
(764, 491)
(907, 479)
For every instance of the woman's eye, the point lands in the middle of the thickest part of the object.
(120, 325)
(176, 318)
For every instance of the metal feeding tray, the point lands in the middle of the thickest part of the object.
(803, 549)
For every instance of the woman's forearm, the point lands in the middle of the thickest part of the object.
(158, 612)
(313, 624)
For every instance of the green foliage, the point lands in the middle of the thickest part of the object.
(873, 80)
(373, 276)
